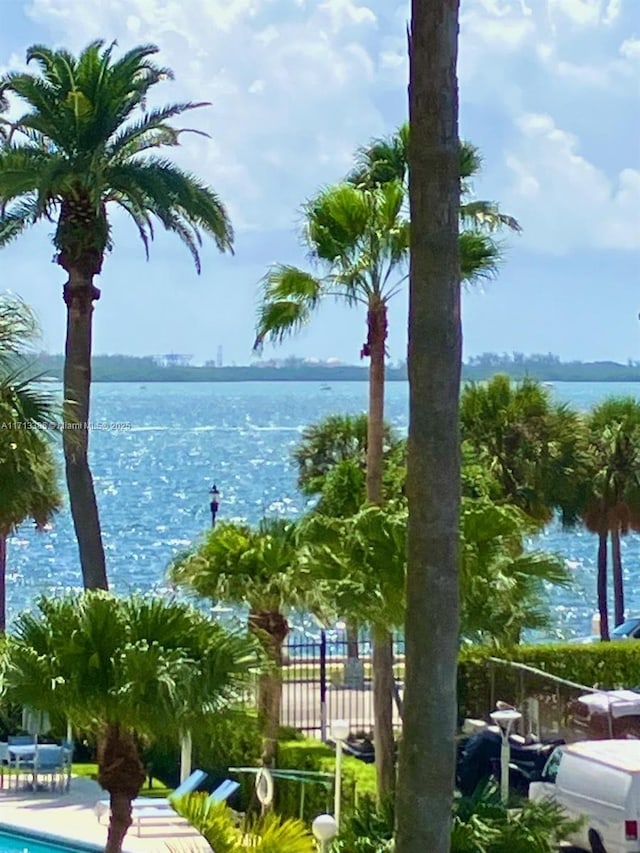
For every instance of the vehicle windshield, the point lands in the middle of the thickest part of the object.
(626, 628)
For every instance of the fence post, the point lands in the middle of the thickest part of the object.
(323, 685)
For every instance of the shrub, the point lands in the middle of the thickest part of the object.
(358, 779)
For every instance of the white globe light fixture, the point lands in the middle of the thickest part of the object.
(505, 720)
(324, 829)
(339, 732)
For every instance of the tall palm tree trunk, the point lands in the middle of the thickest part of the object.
(603, 607)
(79, 294)
(427, 762)
(382, 647)
(120, 772)
(3, 582)
(383, 693)
(377, 335)
(618, 579)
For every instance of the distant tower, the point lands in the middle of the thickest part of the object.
(219, 360)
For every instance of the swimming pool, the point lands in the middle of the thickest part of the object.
(16, 842)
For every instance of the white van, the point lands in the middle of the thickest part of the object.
(598, 780)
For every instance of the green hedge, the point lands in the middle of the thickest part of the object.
(603, 665)
(358, 779)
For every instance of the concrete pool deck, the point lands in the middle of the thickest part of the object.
(71, 817)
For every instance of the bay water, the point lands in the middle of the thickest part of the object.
(156, 449)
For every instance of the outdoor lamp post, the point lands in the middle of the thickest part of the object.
(505, 720)
(339, 733)
(324, 829)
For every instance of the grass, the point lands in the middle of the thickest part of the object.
(157, 789)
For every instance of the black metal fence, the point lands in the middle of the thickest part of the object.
(328, 678)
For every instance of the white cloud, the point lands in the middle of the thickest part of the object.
(563, 201)
(630, 49)
(268, 153)
(586, 12)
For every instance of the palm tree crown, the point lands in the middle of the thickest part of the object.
(85, 142)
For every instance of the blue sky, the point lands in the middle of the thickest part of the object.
(549, 91)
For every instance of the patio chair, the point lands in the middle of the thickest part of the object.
(142, 813)
(18, 764)
(52, 762)
(190, 784)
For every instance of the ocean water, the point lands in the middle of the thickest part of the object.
(152, 479)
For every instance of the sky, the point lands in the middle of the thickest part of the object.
(549, 91)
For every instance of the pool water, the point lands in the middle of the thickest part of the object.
(12, 842)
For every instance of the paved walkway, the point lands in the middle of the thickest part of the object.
(71, 817)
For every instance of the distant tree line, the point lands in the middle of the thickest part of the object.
(544, 367)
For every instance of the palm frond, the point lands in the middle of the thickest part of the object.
(487, 215)
(289, 296)
(480, 256)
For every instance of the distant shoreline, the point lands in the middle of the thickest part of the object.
(147, 371)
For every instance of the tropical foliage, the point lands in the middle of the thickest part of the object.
(503, 586)
(28, 473)
(85, 144)
(612, 502)
(268, 834)
(125, 670)
(529, 445)
(481, 824)
(257, 568)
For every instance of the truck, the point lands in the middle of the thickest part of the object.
(597, 781)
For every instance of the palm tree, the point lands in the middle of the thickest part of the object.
(386, 159)
(358, 241)
(359, 563)
(530, 446)
(28, 473)
(257, 568)
(426, 776)
(612, 503)
(124, 669)
(84, 146)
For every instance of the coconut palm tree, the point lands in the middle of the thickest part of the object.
(426, 774)
(612, 503)
(28, 473)
(85, 145)
(257, 568)
(125, 670)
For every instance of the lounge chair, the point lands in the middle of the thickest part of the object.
(141, 813)
(189, 785)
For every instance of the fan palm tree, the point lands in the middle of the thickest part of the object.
(612, 503)
(84, 146)
(426, 773)
(385, 159)
(28, 473)
(124, 669)
(257, 568)
(531, 447)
